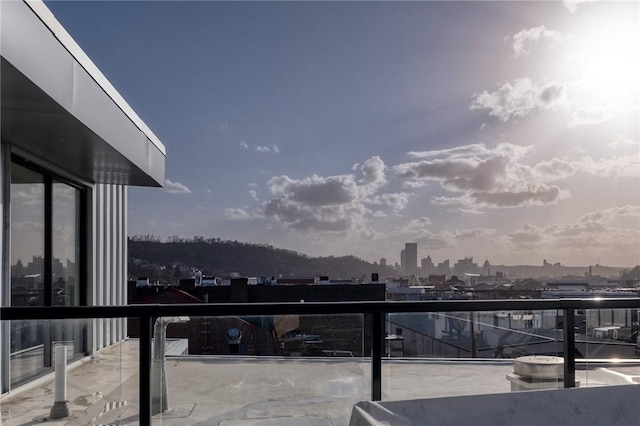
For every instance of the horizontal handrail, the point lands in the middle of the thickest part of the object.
(375, 310)
(310, 308)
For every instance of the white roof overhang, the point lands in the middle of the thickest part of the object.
(56, 105)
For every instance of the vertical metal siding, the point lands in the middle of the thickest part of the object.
(109, 259)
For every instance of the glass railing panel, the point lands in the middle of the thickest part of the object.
(252, 369)
(607, 347)
(101, 388)
(429, 355)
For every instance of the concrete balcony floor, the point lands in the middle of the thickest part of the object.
(240, 391)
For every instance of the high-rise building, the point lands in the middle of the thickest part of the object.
(443, 268)
(427, 267)
(465, 266)
(411, 258)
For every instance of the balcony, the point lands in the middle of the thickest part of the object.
(456, 359)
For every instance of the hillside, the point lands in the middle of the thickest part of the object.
(168, 261)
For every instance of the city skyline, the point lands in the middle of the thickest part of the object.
(504, 128)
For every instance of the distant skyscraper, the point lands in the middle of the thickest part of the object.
(465, 266)
(486, 268)
(443, 268)
(427, 267)
(411, 258)
(403, 262)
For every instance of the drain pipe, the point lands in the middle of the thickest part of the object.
(60, 407)
(159, 393)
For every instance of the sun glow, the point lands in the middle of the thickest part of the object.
(611, 75)
(602, 66)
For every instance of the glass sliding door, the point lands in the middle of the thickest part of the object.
(65, 269)
(28, 276)
(46, 267)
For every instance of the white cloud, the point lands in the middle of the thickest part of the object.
(337, 203)
(395, 201)
(598, 229)
(623, 166)
(479, 150)
(175, 187)
(273, 148)
(254, 194)
(590, 114)
(523, 39)
(244, 145)
(526, 235)
(416, 227)
(471, 233)
(373, 173)
(488, 177)
(519, 98)
(238, 214)
(555, 169)
(535, 196)
(573, 5)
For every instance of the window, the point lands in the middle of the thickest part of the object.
(46, 265)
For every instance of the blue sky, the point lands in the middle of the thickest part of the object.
(499, 130)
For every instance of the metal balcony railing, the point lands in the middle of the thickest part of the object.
(146, 314)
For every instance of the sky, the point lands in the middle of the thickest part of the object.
(506, 131)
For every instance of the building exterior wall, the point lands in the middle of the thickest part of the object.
(108, 265)
(67, 136)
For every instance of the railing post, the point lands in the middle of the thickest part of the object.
(377, 341)
(145, 370)
(569, 348)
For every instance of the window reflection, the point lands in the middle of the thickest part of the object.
(65, 245)
(45, 267)
(28, 338)
(27, 237)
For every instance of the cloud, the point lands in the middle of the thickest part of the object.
(597, 229)
(526, 37)
(608, 215)
(238, 214)
(573, 5)
(373, 173)
(555, 169)
(339, 203)
(590, 114)
(540, 196)
(254, 194)
(519, 98)
(623, 166)
(244, 145)
(488, 177)
(395, 201)
(175, 187)
(273, 148)
(316, 190)
(478, 149)
(526, 235)
(471, 233)
(457, 173)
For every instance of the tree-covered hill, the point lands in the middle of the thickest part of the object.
(178, 258)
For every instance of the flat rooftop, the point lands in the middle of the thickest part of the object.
(240, 390)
